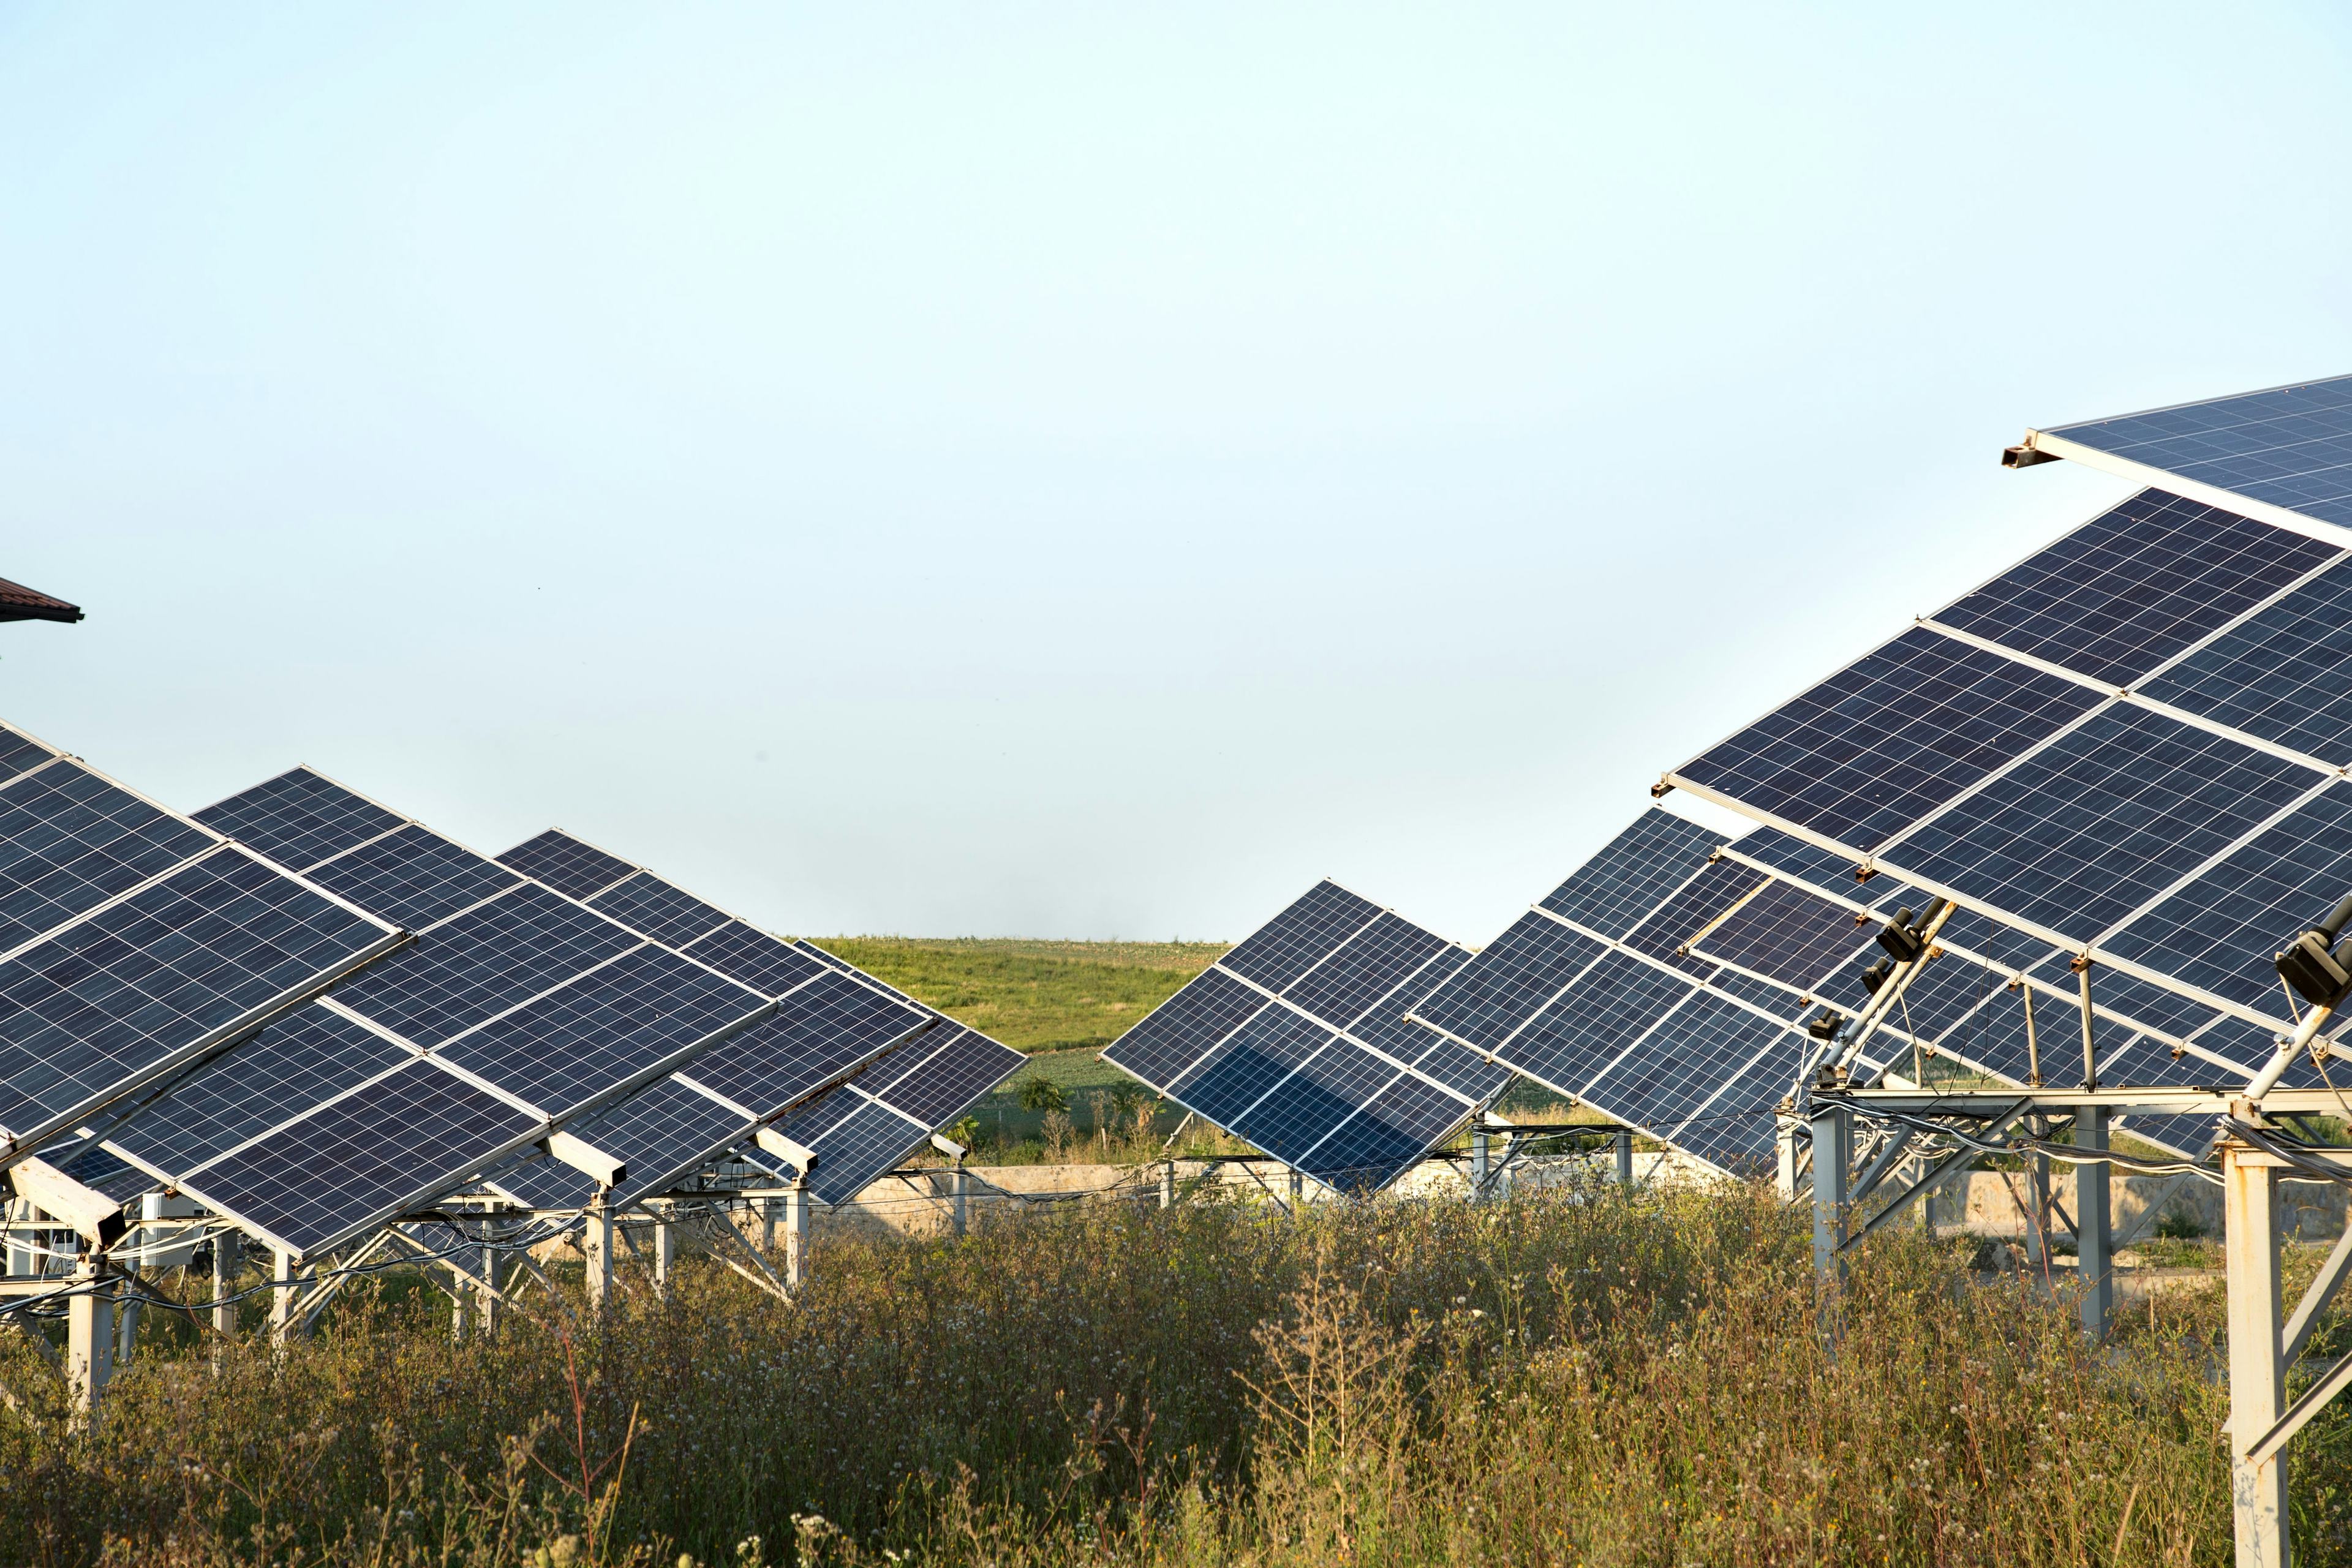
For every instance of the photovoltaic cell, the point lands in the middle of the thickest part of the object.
(2218, 932)
(414, 1133)
(646, 903)
(1737, 1128)
(1386, 1138)
(1716, 888)
(1181, 1029)
(860, 1149)
(767, 964)
(664, 1133)
(1617, 888)
(964, 1066)
(1900, 732)
(1460, 1068)
(297, 818)
(2289, 446)
(566, 864)
(1295, 940)
(161, 972)
(836, 961)
(1371, 964)
(1565, 1043)
(2128, 590)
(1249, 1063)
(819, 1034)
(1661, 1086)
(1386, 1028)
(482, 963)
(301, 1060)
(2085, 831)
(610, 1024)
(1324, 1092)
(1509, 982)
(20, 754)
(69, 840)
(413, 876)
(1787, 933)
(2279, 675)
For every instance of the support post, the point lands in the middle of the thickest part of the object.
(1833, 1155)
(960, 1201)
(1478, 1166)
(665, 1252)
(796, 1230)
(126, 1323)
(767, 1225)
(228, 1263)
(2037, 1220)
(1784, 1139)
(2093, 1265)
(1624, 1145)
(485, 1302)
(1297, 1193)
(596, 1246)
(281, 1298)
(89, 1342)
(1168, 1184)
(2257, 1372)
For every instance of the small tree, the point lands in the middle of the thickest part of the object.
(1039, 1093)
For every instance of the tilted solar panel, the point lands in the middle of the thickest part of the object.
(2174, 808)
(135, 943)
(933, 1079)
(2288, 448)
(1296, 1041)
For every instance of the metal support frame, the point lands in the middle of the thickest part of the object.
(2094, 1258)
(1168, 1184)
(796, 1236)
(2250, 1180)
(665, 1250)
(485, 1292)
(1297, 1184)
(1832, 1154)
(1479, 1165)
(596, 1246)
(281, 1296)
(960, 1200)
(1623, 1143)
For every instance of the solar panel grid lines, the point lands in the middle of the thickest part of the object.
(2282, 448)
(1538, 957)
(570, 866)
(1633, 874)
(20, 754)
(299, 818)
(862, 1148)
(160, 978)
(2136, 587)
(1903, 729)
(1304, 935)
(1401, 1060)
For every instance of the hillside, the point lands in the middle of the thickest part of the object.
(1033, 995)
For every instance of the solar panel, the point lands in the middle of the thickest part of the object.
(2286, 446)
(2184, 816)
(834, 1017)
(20, 754)
(142, 945)
(299, 818)
(1297, 1041)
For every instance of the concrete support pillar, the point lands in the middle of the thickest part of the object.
(796, 1230)
(89, 1342)
(1168, 1184)
(126, 1322)
(486, 1311)
(596, 1244)
(281, 1298)
(665, 1253)
(2093, 1265)
(228, 1262)
(2257, 1370)
(1832, 1156)
(767, 1225)
(960, 1201)
(1479, 1166)
(1624, 1145)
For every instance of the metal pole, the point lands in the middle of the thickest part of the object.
(2037, 1223)
(2090, 1045)
(959, 1196)
(767, 1225)
(665, 1252)
(1297, 1192)
(1168, 1184)
(1624, 1143)
(1833, 1152)
(486, 1305)
(596, 1244)
(2257, 1370)
(795, 1237)
(1784, 1139)
(126, 1324)
(1478, 1166)
(228, 1263)
(2093, 1266)
(2032, 1041)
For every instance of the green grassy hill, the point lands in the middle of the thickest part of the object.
(1033, 995)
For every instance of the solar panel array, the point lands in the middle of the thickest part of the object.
(518, 1010)
(1665, 984)
(2143, 764)
(858, 1131)
(134, 941)
(1297, 1042)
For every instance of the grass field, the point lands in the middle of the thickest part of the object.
(1586, 1379)
(1033, 995)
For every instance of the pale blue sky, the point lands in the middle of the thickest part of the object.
(1083, 470)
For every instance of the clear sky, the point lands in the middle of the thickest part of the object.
(1084, 470)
